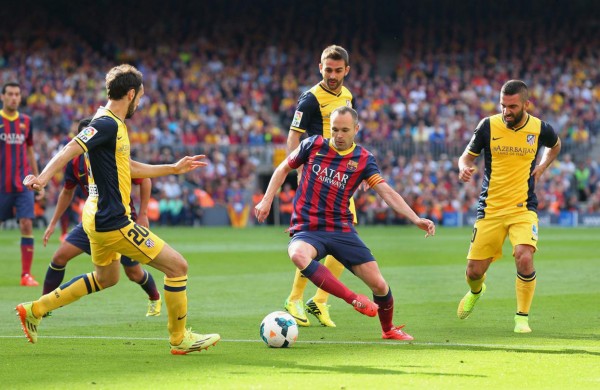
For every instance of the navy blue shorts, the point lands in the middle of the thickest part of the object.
(347, 248)
(21, 201)
(78, 238)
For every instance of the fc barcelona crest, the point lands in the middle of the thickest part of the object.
(531, 139)
(352, 165)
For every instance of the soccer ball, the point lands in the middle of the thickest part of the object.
(279, 330)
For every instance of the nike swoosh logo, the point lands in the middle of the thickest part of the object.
(325, 105)
(322, 155)
(120, 137)
(181, 318)
(496, 139)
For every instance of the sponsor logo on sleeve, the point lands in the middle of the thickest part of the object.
(297, 119)
(86, 134)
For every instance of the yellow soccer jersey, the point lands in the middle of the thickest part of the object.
(106, 144)
(315, 107)
(510, 156)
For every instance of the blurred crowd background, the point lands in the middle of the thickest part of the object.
(222, 78)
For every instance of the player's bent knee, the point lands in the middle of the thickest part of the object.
(181, 265)
(477, 268)
(380, 288)
(60, 261)
(107, 281)
(300, 260)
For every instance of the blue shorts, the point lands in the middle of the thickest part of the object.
(347, 248)
(21, 201)
(78, 238)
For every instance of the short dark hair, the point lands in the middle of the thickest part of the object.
(121, 79)
(515, 87)
(84, 123)
(344, 110)
(335, 52)
(10, 84)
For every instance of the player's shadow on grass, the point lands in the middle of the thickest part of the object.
(286, 367)
(514, 349)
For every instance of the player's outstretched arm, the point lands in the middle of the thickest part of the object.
(399, 205)
(64, 201)
(188, 163)
(263, 208)
(60, 159)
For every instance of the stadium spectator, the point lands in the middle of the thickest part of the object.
(286, 207)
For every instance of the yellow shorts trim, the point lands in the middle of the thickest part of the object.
(490, 233)
(352, 209)
(133, 241)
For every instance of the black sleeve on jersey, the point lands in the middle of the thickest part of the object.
(105, 131)
(481, 137)
(353, 102)
(548, 136)
(308, 105)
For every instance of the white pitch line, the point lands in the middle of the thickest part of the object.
(583, 348)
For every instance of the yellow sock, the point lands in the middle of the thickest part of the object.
(475, 284)
(176, 301)
(67, 293)
(336, 269)
(298, 287)
(525, 287)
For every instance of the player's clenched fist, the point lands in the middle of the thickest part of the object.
(33, 183)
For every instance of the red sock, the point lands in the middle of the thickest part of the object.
(324, 279)
(26, 255)
(386, 310)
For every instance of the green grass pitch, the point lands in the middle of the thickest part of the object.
(236, 277)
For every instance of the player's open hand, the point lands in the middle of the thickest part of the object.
(261, 210)
(48, 233)
(33, 183)
(466, 173)
(427, 225)
(189, 163)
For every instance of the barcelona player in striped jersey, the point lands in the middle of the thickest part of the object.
(107, 215)
(322, 224)
(510, 143)
(312, 117)
(78, 242)
(17, 159)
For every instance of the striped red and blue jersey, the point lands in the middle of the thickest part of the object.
(15, 136)
(76, 174)
(329, 179)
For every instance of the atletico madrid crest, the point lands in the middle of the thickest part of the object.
(149, 243)
(531, 139)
